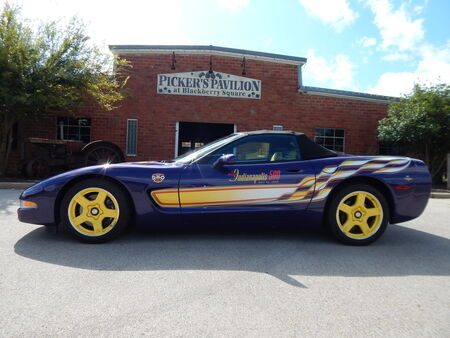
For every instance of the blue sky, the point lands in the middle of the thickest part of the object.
(375, 46)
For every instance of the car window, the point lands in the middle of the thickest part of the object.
(200, 152)
(260, 149)
(252, 151)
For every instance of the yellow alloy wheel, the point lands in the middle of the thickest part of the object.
(93, 211)
(359, 215)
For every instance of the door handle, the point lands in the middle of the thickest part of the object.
(294, 170)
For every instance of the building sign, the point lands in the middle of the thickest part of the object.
(207, 83)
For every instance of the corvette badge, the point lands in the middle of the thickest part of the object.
(158, 177)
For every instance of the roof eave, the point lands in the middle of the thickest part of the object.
(210, 50)
(344, 94)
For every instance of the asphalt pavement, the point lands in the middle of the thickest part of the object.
(243, 282)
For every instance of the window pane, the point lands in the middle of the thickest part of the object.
(320, 132)
(329, 132)
(339, 132)
(252, 151)
(339, 142)
(262, 148)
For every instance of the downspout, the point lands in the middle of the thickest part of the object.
(300, 79)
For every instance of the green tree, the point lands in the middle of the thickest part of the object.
(420, 122)
(51, 69)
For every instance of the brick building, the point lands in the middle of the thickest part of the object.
(184, 96)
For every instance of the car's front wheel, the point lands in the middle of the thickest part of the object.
(95, 211)
(358, 214)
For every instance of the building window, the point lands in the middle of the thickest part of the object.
(330, 138)
(74, 128)
(132, 125)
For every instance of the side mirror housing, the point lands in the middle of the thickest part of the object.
(223, 160)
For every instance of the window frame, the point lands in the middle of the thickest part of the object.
(334, 137)
(65, 119)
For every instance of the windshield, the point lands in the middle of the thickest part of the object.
(206, 149)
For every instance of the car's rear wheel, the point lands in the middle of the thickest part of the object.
(358, 214)
(95, 211)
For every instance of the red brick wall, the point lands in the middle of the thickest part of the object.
(280, 104)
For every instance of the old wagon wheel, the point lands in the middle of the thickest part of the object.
(37, 168)
(100, 154)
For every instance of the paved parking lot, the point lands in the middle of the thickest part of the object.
(256, 283)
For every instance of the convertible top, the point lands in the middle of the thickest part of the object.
(266, 131)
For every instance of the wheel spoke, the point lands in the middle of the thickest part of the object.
(112, 213)
(80, 219)
(372, 212)
(364, 228)
(83, 201)
(101, 197)
(360, 199)
(347, 226)
(345, 208)
(98, 227)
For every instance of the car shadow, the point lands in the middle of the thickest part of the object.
(281, 253)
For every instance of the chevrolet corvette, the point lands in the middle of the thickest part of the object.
(273, 176)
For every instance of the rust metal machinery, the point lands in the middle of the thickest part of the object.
(42, 157)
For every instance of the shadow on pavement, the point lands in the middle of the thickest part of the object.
(281, 253)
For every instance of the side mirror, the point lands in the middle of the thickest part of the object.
(223, 160)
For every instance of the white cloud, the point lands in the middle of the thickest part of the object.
(109, 22)
(367, 42)
(397, 28)
(433, 68)
(418, 9)
(233, 5)
(403, 40)
(394, 84)
(435, 63)
(334, 12)
(397, 57)
(267, 43)
(337, 73)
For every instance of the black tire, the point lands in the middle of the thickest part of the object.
(95, 210)
(358, 214)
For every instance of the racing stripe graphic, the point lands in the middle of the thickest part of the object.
(308, 189)
(349, 168)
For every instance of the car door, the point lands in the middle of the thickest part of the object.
(267, 175)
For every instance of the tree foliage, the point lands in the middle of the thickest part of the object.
(51, 69)
(420, 122)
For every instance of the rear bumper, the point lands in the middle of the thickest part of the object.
(411, 203)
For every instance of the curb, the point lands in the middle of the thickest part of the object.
(440, 195)
(16, 185)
